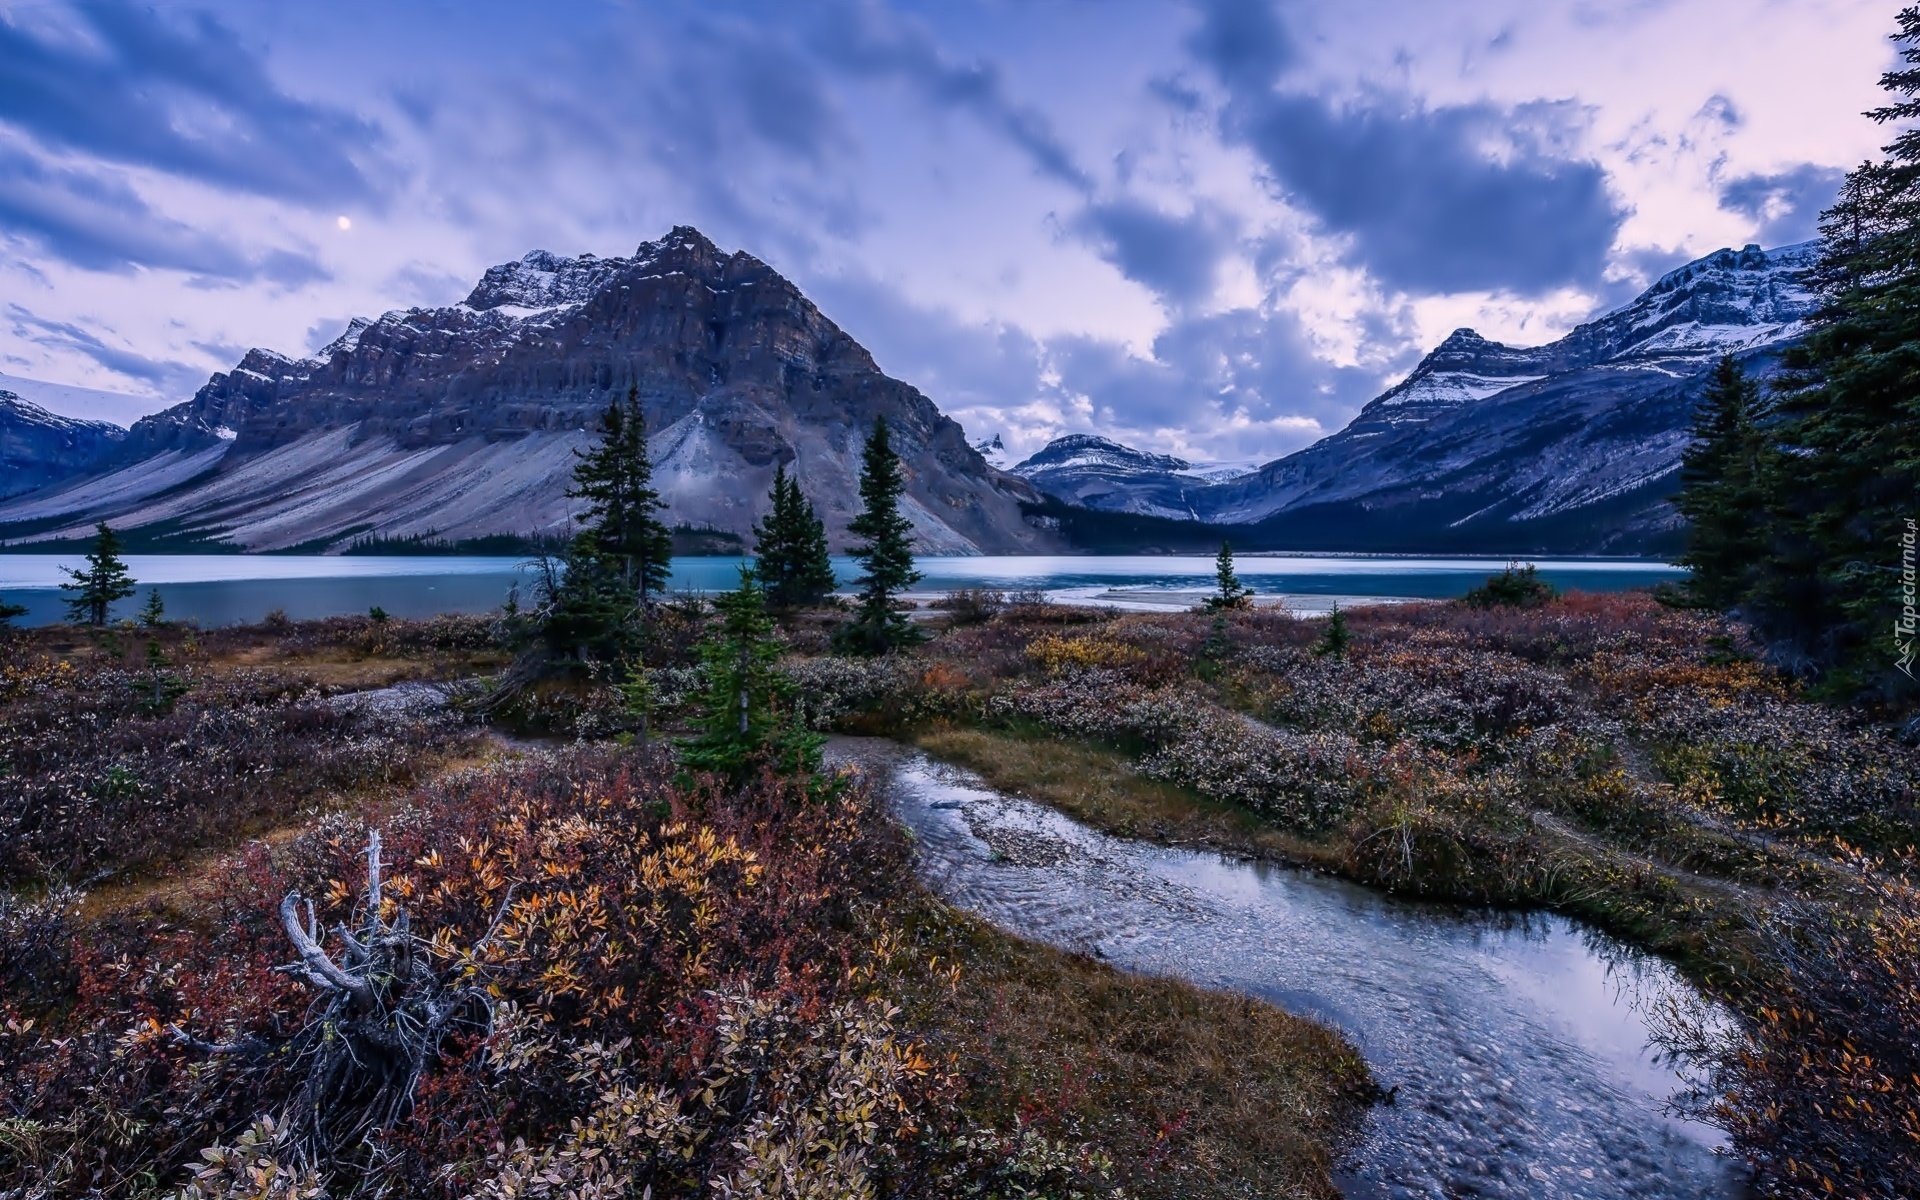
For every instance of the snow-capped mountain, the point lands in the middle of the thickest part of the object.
(995, 452)
(1569, 447)
(38, 447)
(462, 421)
(1095, 472)
(1573, 445)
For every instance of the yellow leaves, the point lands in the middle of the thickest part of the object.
(1060, 654)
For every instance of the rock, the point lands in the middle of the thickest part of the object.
(39, 448)
(461, 421)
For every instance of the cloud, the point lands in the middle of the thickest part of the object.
(94, 220)
(123, 84)
(865, 39)
(1785, 207)
(1244, 383)
(163, 375)
(1179, 257)
(1433, 199)
(1243, 42)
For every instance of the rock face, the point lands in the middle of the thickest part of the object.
(1571, 447)
(39, 448)
(462, 421)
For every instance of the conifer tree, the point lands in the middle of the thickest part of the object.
(154, 613)
(104, 582)
(615, 478)
(1721, 495)
(1841, 478)
(1336, 640)
(594, 596)
(1229, 592)
(885, 554)
(10, 612)
(743, 721)
(586, 610)
(790, 548)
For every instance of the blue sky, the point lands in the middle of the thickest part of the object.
(1212, 227)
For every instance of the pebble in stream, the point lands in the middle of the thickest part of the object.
(1515, 1043)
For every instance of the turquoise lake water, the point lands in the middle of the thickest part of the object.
(226, 589)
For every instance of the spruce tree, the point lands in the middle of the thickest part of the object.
(154, 614)
(1229, 592)
(104, 582)
(1336, 640)
(9, 612)
(587, 610)
(615, 478)
(1842, 473)
(1720, 492)
(790, 548)
(885, 554)
(744, 722)
(593, 595)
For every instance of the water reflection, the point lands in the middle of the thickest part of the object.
(1517, 1043)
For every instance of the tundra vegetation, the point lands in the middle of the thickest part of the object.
(304, 931)
(1630, 763)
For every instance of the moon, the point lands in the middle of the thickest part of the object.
(345, 223)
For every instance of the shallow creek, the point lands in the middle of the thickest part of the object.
(1517, 1045)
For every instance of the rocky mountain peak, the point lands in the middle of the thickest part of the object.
(462, 420)
(1080, 449)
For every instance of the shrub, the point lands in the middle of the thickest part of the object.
(1817, 1083)
(1514, 587)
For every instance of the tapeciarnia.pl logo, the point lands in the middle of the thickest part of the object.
(1903, 628)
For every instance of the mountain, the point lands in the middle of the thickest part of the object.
(1095, 472)
(1572, 447)
(85, 403)
(462, 421)
(38, 448)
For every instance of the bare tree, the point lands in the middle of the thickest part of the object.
(382, 1010)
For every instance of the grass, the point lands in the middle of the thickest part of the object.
(1100, 787)
(1700, 922)
(1196, 1094)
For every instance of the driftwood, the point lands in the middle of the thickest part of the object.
(380, 1015)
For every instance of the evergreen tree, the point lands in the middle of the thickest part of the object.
(594, 594)
(103, 583)
(885, 554)
(1229, 592)
(741, 723)
(10, 612)
(586, 610)
(790, 548)
(615, 478)
(1842, 473)
(162, 686)
(1335, 641)
(1721, 494)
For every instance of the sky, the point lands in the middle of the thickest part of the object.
(1212, 228)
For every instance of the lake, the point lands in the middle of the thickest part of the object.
(223, 589)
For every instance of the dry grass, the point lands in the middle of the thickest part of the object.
(1101, 788)
(1196, 1094)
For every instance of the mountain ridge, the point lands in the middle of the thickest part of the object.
(463, 420)
(1568, 447)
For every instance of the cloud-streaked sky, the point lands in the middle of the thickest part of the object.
(1212, 227)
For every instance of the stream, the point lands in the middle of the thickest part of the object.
(1516, 1043)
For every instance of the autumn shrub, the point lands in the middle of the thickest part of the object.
(96, 782)
(680, 1002)
(1816, 1081)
